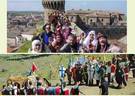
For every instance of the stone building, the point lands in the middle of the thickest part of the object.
(95, 17)
(51, 6)
(89, 17)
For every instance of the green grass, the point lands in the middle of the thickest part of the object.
(24, 48)
(21, 67)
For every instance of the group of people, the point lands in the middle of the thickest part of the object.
(94, 72)
(58, 36)
(40, 87)
(112, 73)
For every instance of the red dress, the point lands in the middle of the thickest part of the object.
(113, 68)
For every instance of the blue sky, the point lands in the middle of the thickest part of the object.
(36, 5)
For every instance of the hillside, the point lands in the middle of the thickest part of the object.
(48, 65)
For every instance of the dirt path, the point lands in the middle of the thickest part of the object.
(94, 90)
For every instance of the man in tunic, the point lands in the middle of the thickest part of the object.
(120, 76)
(85, 73)
(96, 73)
(102, 71)
(108, 71)
(104, 86)
(62, 72)
(104, 47)
(78, 73)
(73, 70)
(62, 76)
(90, 71)
(69, 74)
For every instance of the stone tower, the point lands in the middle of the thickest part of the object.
(51, 6)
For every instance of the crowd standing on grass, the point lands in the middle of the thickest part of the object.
(58, 36)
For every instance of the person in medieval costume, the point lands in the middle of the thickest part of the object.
(73, 70)
(57, 43)
(90, 42)
(108, 71)
(69, 74)
(131, 58)
(104, 47)
(62, 72)
(31, 89)
(126, 69)
(36, 47)
(84, 73)
(44, 36)
(120, 76)
(62, 75)
(51, 90)
(102, 71)
(10, 88)
(96, 74)
(90, 71)
(64, 90)
(15, 89)
(4, 90)
(40, 89)
(78, 73)
(70, 45)
(104, 86)
(113, 70)
(66, 31)
(75, 89)
(57, 89)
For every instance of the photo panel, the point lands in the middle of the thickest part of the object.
(67, 74)
(67, 26)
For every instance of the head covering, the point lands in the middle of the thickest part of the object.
(34, 43)
(102, 36)
(87, 39)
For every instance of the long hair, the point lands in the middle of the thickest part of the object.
(99, 46)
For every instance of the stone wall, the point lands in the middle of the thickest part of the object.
(51, 6)
(111, 32)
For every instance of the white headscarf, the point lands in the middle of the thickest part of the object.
(34, 43)
(87, 39)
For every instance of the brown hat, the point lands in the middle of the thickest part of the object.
(104, 36)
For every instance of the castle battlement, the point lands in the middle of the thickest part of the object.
(51, 6)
